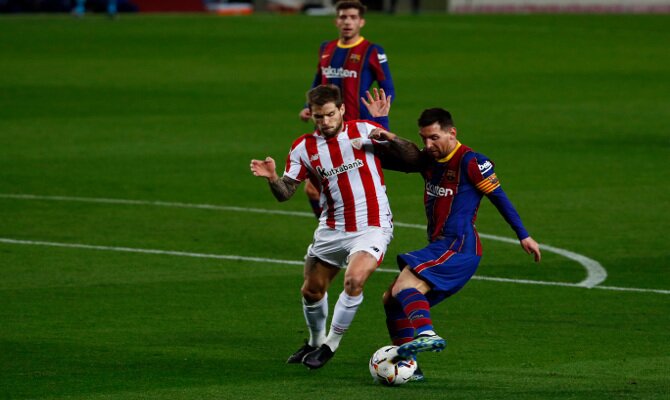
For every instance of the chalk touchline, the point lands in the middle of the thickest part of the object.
(595, 273)
(289, 262)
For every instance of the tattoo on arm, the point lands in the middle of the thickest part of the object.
(283, 188)
(407, 152)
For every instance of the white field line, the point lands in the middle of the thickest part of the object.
(289, 262)
(148, 251)
(595, 273)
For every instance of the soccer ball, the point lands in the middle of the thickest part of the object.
(384, 370)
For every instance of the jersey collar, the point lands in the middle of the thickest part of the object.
(348, 46)
(449, 157)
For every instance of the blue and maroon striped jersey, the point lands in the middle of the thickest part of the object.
(354, 68)
(454, 187)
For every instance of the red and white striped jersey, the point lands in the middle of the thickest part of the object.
(345, 168)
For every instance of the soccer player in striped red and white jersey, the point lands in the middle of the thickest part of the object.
(355, 226)
(455, 180)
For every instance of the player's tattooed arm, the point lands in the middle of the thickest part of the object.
(406, 151)
(397, 154)
(283, 188)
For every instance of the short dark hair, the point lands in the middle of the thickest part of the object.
(323, 94)
(347, 4)
(430, 116)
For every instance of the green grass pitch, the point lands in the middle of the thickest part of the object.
(575, 110)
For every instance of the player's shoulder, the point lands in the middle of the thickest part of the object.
(328, 43)
(358, 123)
(377, 54)
(365, 121)
(377, 47)
(482, 162)
(301, 140)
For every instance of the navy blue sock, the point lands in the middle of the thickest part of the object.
(416, 307)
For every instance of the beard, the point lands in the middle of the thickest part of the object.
(331, 131)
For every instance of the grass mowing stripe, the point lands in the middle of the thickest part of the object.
(595, 273)
(275, 261)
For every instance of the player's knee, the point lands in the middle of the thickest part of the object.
(353, 285)
(399, 286)
(354, 281)
(361, 265)
(312, 295)
(387, 298)
(408, 280)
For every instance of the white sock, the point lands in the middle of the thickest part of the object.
(344, 312)
(316, 315)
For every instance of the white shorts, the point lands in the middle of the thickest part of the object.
(334, 247)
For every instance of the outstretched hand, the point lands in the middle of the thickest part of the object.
(530, 246)
(377, 103)
(264, 168)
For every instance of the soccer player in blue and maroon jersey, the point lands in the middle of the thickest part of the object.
(455, 180)
(353, 64)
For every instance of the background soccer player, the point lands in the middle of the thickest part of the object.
(356, 226)
(455, 180)
(353, 64)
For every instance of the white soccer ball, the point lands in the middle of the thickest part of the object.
(387, 372)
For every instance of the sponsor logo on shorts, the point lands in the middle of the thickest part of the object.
(376, 249)
(327, 173)
(438, 191)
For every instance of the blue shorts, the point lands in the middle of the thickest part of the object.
(446, 271)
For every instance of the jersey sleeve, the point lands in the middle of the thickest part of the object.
(380, 67)
(383, 121)
(366, 126)
(482, 174)
(295, 167)
(317, 77)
